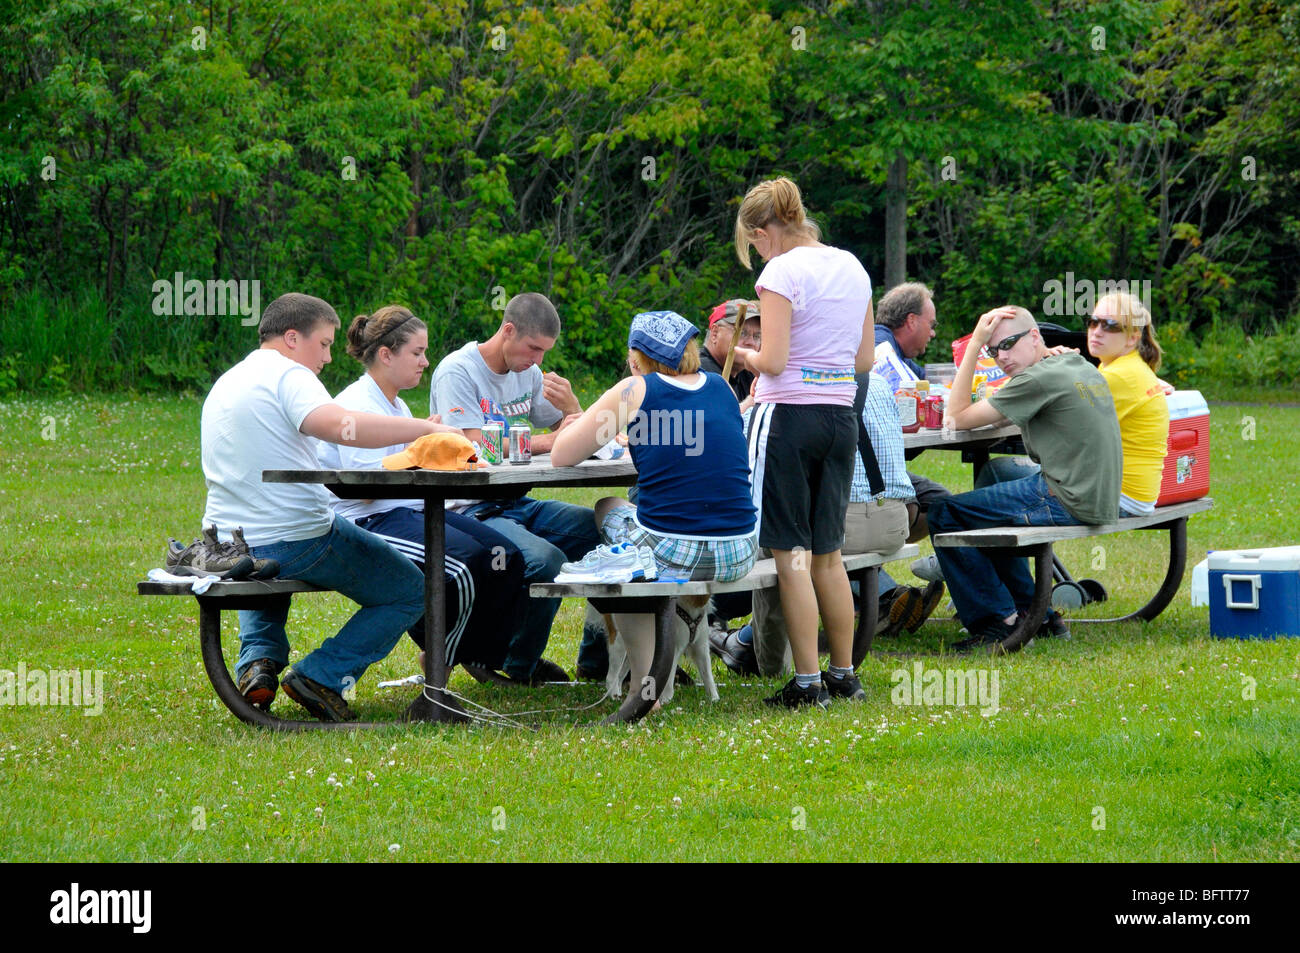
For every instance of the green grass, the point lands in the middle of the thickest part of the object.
(1147, 723)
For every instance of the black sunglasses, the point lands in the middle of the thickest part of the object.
(1008, 343)
(1106, 324)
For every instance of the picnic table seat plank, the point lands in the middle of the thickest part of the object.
(762, 576)
(1012, 537)
(644, 597)
(1036, 543)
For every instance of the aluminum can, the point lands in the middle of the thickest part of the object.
(521, 444)
(934, 412)
(493, 448)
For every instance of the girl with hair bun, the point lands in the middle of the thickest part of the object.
(815, 310)
(484, 570)
(1121, 336)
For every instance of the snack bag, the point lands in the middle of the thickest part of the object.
(993, 375)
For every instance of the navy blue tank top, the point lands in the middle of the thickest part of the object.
(691, 460)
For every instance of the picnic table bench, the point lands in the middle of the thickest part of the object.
(1036, 542)
(660, 599)
(243, 594)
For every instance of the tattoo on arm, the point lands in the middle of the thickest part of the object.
(622, 406)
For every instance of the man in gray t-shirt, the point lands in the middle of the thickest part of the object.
(1065, 412)
(500, 380)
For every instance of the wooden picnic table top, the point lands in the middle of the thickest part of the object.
(925, 439)
(438, 483)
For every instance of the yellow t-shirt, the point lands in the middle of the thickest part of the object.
(1143, 424)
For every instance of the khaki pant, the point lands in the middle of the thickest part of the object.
(868, 528)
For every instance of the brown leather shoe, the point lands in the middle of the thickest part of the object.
(321, 702)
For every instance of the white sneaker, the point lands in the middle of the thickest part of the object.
(620, 567)
(927, 568)
(617, 563)
(649, 571)
(589, 562)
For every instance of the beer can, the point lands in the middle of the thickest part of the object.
(493, 449)
(521, 444)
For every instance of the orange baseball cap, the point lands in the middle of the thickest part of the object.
(436, 451)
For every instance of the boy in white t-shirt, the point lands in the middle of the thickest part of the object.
(262, 415)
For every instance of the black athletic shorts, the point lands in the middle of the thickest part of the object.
(801, 461)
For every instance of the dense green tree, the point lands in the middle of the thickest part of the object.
(448, 154)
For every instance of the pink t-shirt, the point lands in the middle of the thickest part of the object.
(829, 291)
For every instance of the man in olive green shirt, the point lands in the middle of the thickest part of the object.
(1065, 413)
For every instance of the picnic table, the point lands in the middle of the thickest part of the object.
(975, 445)
(435, 487)
(1036, 542)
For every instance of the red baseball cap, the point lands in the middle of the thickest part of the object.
(729, 311)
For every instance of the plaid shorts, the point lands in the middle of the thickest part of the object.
(679, 557)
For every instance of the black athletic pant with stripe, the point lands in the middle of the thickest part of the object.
(485, 582)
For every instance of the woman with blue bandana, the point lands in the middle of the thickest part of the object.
(694, 509)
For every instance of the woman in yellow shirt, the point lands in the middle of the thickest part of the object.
(1121, 337)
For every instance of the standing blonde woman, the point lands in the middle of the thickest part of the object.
(815, 308)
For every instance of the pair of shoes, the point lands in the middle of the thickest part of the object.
(321, 702)
(262, 568)
(992, 631)
(912, 606)
(621, 562)
(209, 556)
(738, 656)
(1053, 627)
(849, 687)
(259, 682)
(792, 696)
(206, 557)
(927, 568)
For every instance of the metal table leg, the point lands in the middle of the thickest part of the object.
(868, 579)
(1027, 622)
(433, 703)
(1172, 581)
(214, 662)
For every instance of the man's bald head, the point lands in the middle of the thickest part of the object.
(1022, 340)
(1022, 321)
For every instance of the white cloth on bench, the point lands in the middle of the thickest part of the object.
(199, 584)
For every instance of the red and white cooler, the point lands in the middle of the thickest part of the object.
(1187, 461)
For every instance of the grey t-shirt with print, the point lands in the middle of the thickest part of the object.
(1067, 418)
(468, 393)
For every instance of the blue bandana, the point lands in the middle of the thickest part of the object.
(661, 335)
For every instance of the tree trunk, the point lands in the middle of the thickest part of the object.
(896, 221)
(415, 173)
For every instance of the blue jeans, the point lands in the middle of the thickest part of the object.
(1006, 469)
(987, 583)
(548, 533)
(364, 568)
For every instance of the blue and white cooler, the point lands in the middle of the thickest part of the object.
(1255, 593)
